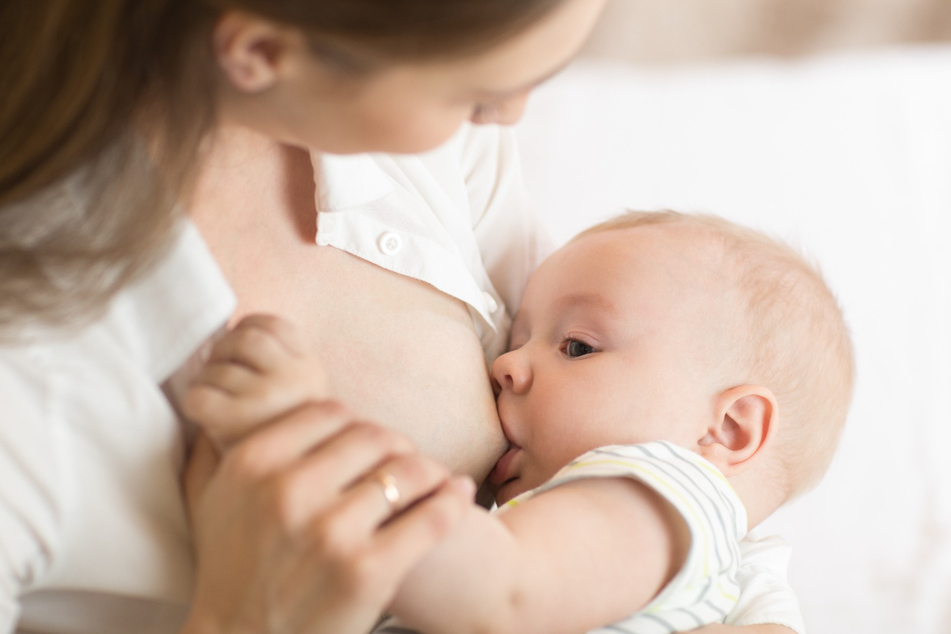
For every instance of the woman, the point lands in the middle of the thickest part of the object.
(116, 117)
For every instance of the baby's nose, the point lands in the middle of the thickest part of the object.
(496, 386)
(512, 372)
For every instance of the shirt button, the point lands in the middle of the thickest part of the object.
(390, 243)
(490, 302)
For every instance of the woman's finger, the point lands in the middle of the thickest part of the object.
(350, 454)
(285, 440)
(200, 468)
(355, 473)
(381, 492)
(403, 541)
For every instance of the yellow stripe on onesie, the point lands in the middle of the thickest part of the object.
(705, 589)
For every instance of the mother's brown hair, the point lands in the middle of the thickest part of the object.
(104, 106)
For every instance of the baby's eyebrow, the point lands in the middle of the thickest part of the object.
(589, 300)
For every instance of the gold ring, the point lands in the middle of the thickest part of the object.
(390, 490)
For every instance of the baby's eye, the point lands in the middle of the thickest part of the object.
(575, 348)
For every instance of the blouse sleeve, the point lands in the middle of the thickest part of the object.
(512, 239)
(765, 595)
(29, 489)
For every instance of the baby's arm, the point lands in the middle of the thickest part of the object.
(257, 371)
(576, 557)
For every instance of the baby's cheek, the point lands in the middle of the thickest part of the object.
(565, 447)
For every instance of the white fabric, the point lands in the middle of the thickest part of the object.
(457, 218)
(850, 158)
(705, 588)
(91, 518)
(765, 595)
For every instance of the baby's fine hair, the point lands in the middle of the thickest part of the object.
(790, 337)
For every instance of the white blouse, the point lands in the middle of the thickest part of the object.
(93, 536)
(457, 218)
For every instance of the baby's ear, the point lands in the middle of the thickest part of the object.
(745, 419)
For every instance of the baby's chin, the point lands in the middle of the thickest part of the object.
(509, 490)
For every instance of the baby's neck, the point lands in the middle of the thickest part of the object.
(760, 494)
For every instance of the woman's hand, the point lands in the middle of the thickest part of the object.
(296, 531)
(746, 629)
(310, 519)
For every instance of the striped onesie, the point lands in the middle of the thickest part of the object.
(705, 589)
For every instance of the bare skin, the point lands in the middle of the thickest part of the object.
(263, 238)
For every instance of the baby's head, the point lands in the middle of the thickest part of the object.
(691, 329)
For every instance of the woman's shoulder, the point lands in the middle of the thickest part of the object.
(32, 485)
(51, 379)
(58, 375)
(25, 373)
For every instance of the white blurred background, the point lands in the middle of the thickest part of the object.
(678, 31)
(827, 123)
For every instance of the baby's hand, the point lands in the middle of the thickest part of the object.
(257, 371)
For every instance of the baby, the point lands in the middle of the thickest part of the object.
(671, 381)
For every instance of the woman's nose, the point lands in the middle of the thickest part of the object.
(512, 372)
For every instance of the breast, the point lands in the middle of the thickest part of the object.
(398, 351)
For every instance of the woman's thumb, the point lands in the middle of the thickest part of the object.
(199, 470)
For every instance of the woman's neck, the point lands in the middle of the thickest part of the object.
(252, 190)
